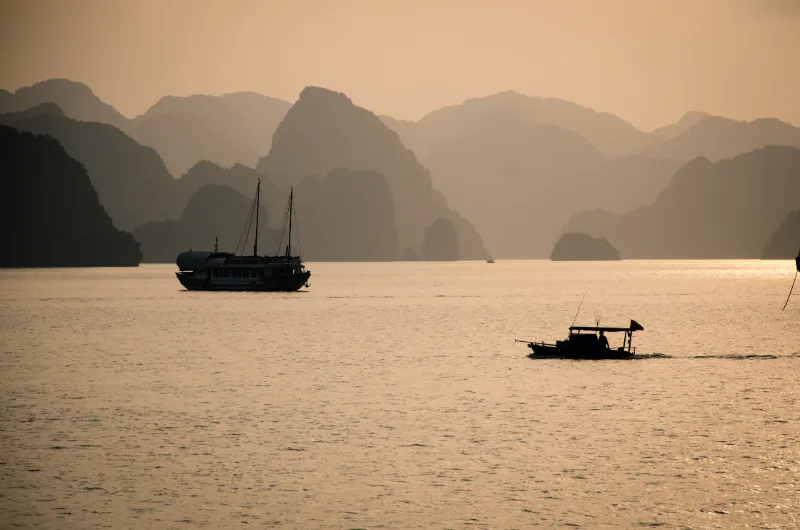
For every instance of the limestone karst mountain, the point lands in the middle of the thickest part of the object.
(611, 135)
(324, 130)
(49, 211)
(577, 246)
(131, 180)
(213, 212)
(716, 138)
(234, 128)
(519, 181)
(75, 99)
(241, 178)
(687, 121)
(441, 241)
(727, 209)
(785, 241)
(345, 216)
(228, 129)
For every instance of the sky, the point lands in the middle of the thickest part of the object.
(647, 61)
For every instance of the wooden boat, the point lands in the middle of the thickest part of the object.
(587, 342)
(223, 271)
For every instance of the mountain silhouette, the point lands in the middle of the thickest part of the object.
(576, 246)
(716, 138)
(213, 212)
(345, 216)
(132, 182)
(785, 242)
(325, 131)
(519, 181)
(229, 129)
(611, 135)
(726, 209)
(75, 99)
(51, 216)
(687, 121)
(241, 178)
(441, 241)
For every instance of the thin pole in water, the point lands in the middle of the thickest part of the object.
(790, 292)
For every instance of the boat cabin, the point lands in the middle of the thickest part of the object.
(593, 337)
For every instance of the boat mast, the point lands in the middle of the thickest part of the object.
(258, 207)
(291, 202)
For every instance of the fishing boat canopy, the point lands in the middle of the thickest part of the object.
(635, 326)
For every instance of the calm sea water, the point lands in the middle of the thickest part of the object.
(394, 396)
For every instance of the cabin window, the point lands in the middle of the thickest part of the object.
(254, 273)
(216, 273)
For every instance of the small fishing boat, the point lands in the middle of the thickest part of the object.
(587, 342)
(224, 271)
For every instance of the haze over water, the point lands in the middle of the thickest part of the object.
(392, 395)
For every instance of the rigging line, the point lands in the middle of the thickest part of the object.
(579, 309)
(790, 291)
(243, 242)
(239, 241)
(243, 235)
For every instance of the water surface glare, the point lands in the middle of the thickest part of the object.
(393, 395)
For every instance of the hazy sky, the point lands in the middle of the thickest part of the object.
(647, 61)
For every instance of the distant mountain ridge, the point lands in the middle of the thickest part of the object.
(610, 134)
(721, 210)
(516, 166)
(687, 121)
(228, 129)
(131, 180)
(716, 138)
(234, 128)
(75, 99)
(519, 180)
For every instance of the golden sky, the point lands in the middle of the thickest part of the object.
(648, 61)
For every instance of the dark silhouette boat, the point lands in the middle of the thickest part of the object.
(223, 271)
(587, 342)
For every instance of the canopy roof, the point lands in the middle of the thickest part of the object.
(635, 326)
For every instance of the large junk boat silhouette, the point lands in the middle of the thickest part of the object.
(225, 271)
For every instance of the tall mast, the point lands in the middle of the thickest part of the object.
(291, 203)
(258, 207)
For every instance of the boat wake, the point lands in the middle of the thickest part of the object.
(644, 356)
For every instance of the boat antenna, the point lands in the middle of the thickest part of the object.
(216, 244)
(258, 207)
(579, 309)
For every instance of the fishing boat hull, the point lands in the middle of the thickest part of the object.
(540, 350)
(281, 283)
